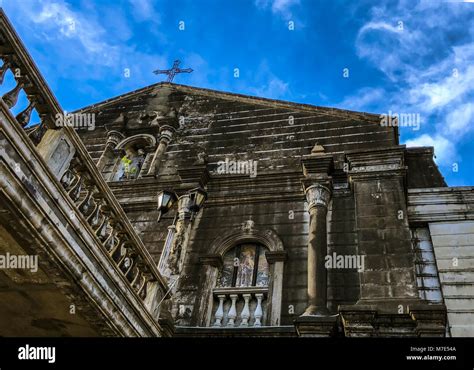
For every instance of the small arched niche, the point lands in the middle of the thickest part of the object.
(131, 156)
(243, 273)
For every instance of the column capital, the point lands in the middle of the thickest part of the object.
(166, 133)
(184, 206)
(317, 195)
(114, 137)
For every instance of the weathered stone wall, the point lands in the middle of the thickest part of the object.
(276, 135)
(453, 244)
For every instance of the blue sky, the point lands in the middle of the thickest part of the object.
(403, 56)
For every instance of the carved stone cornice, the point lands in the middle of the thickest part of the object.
(198, 174)
(276, 256)
(429, 204)
(317, 164)
(378, 161)
(214, 260)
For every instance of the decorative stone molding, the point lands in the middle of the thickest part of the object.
(147, 139)
(214, 260)
(276, 256)
(429, 204)
(197, 175)
(316, 326)
(422, 320)
(316, 164)
(57, 150)
(248, 226)
(376, 161)
(431, 320)
(229, 239)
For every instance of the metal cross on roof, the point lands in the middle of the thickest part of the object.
(173, 71)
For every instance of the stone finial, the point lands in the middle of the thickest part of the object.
(317, 149)
(248, 225)
(201, 158)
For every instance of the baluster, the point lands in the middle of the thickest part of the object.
(3, 70)
(122, 256)
(258, 311)
(245, 314)
(94, 217)
(118, 247)
(220, 311)
(23, 117)
(10, 98)
(128, 266)
(232, 315)
(142, 292)
(111, 242)
(136, 277)
(86, 204)
(75, 191)
(36, 133)
(102, 229)
(67, 179)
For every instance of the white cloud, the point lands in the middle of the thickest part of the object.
(274, 88)
(144, 10)
(267, 84)
(58, 21)
(363, 98)
(444, 149)
(426, 50)
(88, 41)
(280, 7)
(461, 120)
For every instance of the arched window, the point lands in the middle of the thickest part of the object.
(244, 266)
(244, 278)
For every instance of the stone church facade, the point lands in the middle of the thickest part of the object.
(181, 211)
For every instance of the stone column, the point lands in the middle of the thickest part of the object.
(114, 137)
(166, 134)
(318, 197)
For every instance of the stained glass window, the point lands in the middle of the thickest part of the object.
(244, 266)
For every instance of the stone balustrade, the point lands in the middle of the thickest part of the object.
(239, 307)
(90, 196)
(28, 79)
(110, 226)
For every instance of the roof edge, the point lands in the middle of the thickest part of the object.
(244, 98)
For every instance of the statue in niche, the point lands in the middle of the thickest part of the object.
(131, 164)
(246, 267)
